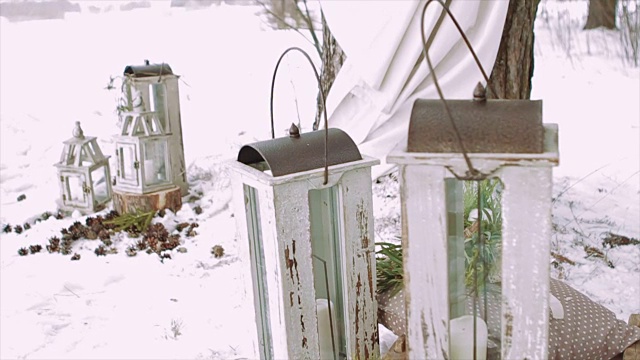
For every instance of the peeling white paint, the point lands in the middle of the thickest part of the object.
(526, 208)
(285, 223)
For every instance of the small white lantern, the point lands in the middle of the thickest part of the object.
(84, 174)
(306, 224)
(504, 139)
(158, 89)
(143, 164)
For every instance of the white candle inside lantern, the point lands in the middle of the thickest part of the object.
(149, 171)
(324, 328)
(461, 339)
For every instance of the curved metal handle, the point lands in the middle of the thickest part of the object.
(326, 122)
(472, 173)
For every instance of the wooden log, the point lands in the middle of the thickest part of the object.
(125, 202)
(633, 351)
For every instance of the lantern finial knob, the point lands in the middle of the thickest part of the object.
(479, 93)
(294, 131)
(146, 61)
(77, 131)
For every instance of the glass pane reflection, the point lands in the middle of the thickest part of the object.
(474, 256)
(326, 242)
(99, 180)
(155, 167)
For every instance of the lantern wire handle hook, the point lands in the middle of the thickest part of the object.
(326, 122)
(472, 173)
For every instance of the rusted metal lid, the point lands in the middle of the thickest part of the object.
(293, 154)
(487, 126)
(148, 70)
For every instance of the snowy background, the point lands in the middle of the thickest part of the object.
(54, 72)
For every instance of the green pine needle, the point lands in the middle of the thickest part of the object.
(140, 221)
(389, 268)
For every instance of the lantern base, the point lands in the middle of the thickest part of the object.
(68, 210)
(125, 202)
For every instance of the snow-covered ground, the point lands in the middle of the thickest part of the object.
(53, 72)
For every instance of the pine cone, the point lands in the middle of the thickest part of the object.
(217, 251)
(104, 234)
(100, 251)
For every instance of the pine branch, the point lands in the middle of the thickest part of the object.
(140, 220)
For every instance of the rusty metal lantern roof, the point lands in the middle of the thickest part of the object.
(485, 126)
(301, 152)
(147, 70)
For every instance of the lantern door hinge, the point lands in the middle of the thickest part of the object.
(136, 165)
(85, 188)
(61, 178)
(64, 197)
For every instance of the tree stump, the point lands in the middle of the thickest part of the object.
(124, 202)
(633, 351)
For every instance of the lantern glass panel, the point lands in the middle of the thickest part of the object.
(127, 125)
(474, 266)
(74, 188)
(86, 158)
(138, 128)
(126, 162)
(158, 99)
(155, 162)
(258, 271)
(94, 150)
(70, 154)
(100, 186)
(326, 243)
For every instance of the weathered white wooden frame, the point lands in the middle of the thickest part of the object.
(137, 144)
(526, 214)
(173, 125)
(75, 147)
(286, 235)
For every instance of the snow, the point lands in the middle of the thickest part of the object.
(193, 306)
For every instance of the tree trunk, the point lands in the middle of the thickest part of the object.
(332, 59)
(513, 69)
(601, 13)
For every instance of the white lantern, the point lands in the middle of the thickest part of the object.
(306, 224)
(84, 174)
(143, 164)
(158, 89)
(503, 139)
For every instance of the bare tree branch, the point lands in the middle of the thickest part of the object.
(266, 8)
(309, 21)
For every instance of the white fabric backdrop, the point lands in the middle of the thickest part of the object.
(374, 91)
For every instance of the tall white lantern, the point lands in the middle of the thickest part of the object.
(306, 225)
(158, 88)
(143, 164)
(85, 181)
(502, 139)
